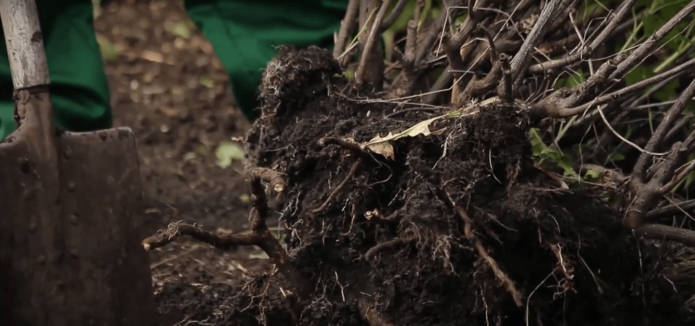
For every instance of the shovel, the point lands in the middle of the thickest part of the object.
(70, 206)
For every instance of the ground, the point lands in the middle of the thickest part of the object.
(170, 88)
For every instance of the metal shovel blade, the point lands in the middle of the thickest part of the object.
(70, 228)
(70, 207)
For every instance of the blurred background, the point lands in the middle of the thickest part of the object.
(168, 85)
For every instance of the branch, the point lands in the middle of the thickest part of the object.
(425, 45)
(648, 46)
(508, 94)
(669, 233)
(670, 209)
(409, 74)
(560, 63)
(554, 109)
(614, 20)
(366, 61)
(646, 194)
(677, 178)
(670, 117)
(346, 28)
(539, 30)
(395, 13)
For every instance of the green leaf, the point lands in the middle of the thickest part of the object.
(245, 198)
(206, 81)
(109, 51)
(617, 156)
(349, 74)
(227, 152)
(181, 30)
(592, 175)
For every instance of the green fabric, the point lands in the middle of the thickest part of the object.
(79, 88)
(245, 33)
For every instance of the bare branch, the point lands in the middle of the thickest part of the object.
(648, 46)
(395, 13)
(670, 209)
(508, 94)
(559, 111)
(425, 46)
(548, 15)
(368, 53)
(640, 166)
(614, 20)
(346, 28)
(560, 63)
(669, 233)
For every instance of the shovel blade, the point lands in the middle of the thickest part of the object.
(70, 228)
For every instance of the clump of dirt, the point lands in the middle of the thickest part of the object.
(458, 228)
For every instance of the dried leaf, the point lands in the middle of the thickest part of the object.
(382, 145)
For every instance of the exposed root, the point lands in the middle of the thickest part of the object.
(275, 179)
(260, 237)
(177, 230)
(501, 275)
(391, 244)
(339, 188)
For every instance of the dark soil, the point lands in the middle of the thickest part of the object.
(460, 228)
(461, 237)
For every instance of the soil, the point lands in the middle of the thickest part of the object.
(458, 228)
(172, 90)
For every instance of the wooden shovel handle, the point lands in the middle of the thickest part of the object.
(25, 49)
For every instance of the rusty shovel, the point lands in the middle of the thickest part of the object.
(70, 206)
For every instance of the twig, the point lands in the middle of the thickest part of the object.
(669, 233)
(670, 209)
(354, 148)
(558, 111)
(391, 244)
(425, 46)
(508, 94)
(409, 74)
(559, 63)
(646, 194)
(617, 134)
(346, 28)
(673, 113)
(339, 188)
(615, 19)
(368, 52)
(647, 46)
(678, 178)
(395, 13)
(537, 33)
